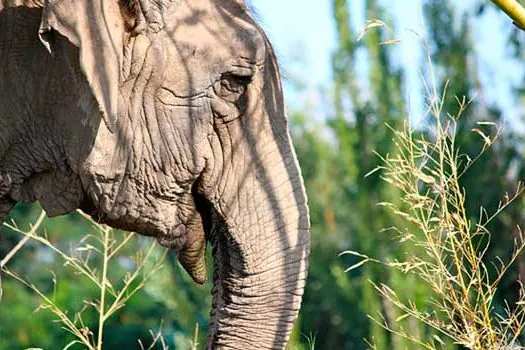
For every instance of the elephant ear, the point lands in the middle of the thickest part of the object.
(96, 27)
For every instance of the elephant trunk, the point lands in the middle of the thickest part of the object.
(260, 266)
(260, 230)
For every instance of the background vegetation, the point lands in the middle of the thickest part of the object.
(369, 89)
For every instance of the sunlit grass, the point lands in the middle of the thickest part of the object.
(444, 248)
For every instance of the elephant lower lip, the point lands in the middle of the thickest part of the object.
(178, 231)
(175, 239)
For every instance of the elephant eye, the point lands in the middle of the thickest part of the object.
(230, 90)
(232, 84)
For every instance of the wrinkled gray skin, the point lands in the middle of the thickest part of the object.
(164, 117)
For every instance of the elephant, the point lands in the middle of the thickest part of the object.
(167, 118)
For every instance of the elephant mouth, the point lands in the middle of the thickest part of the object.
(193, 236)
(205, 209)
(211, 228)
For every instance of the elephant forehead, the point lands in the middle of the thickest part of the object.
(188, 71)
(215, 33)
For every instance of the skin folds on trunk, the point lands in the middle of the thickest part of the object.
(260, 226)
(259, 270)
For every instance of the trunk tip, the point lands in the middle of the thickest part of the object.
(194, 262)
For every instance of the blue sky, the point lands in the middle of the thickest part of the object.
(303, 33)
(307, 25)
(296, 26)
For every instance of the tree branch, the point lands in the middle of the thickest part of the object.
(514, 10)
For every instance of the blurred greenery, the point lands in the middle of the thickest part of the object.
(368, 90)
(170, 302)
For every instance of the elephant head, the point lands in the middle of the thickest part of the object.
(176, 128)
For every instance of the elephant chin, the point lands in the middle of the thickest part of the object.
(192, 256)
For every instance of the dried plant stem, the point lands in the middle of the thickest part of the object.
(102, 313)
(13, 251)
(24, 240)
(195, 343)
